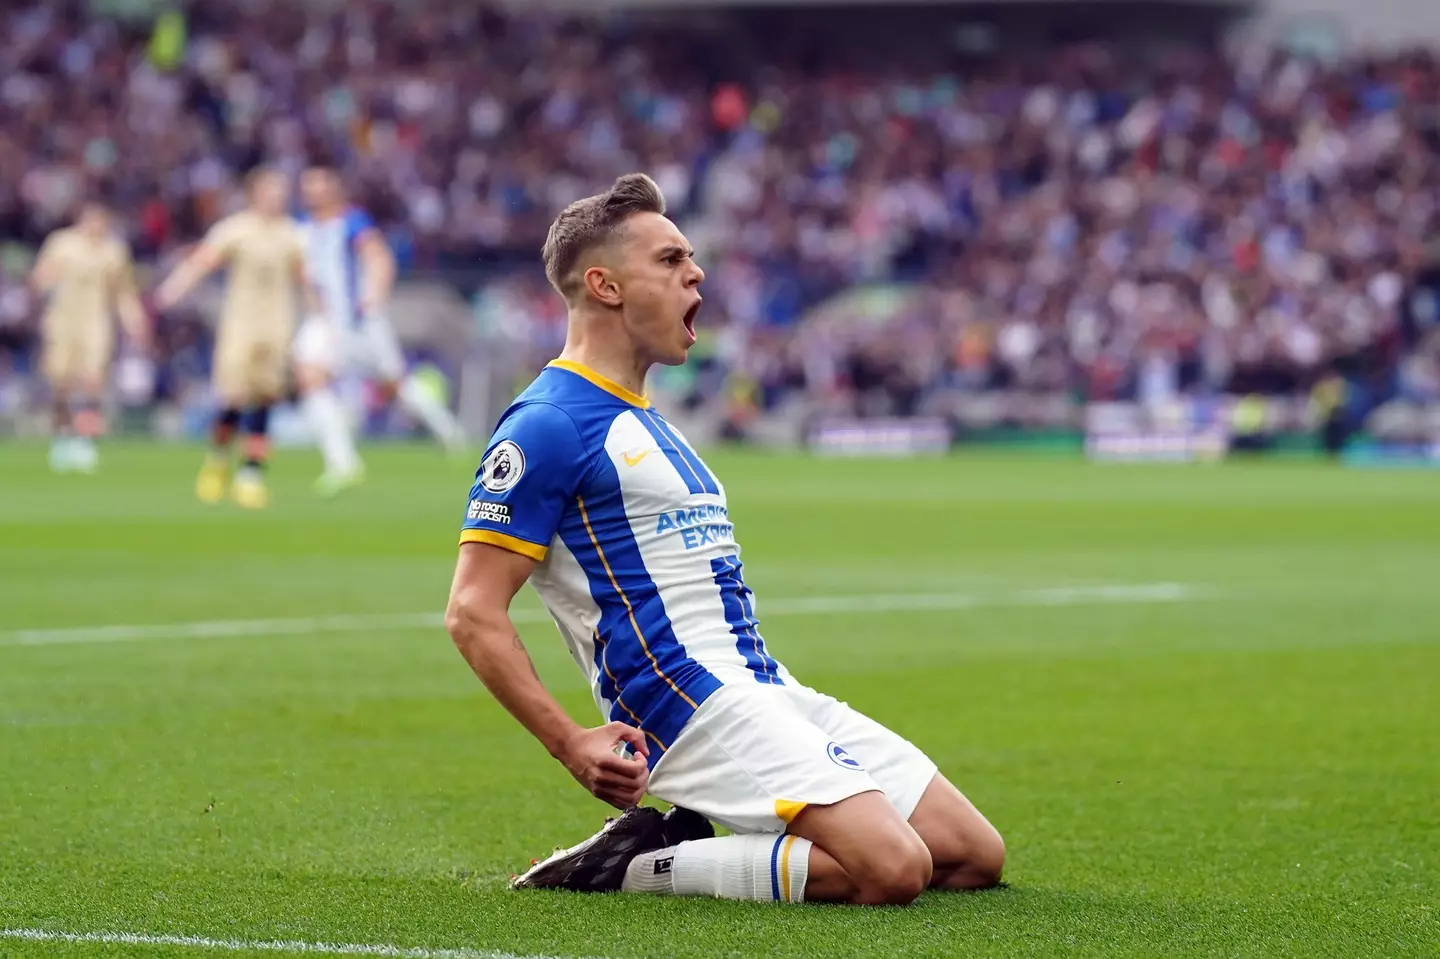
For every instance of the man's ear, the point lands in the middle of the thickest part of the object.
(601, 285)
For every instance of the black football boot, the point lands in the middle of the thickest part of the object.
(598, 864)
(682, 825)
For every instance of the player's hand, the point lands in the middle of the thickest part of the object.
(371, 306)
(590, 757)
(142, 340)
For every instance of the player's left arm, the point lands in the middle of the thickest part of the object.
(127, 299)
(377, 267)
(198, 264)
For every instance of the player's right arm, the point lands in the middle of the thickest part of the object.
(377, 266)
(478, 618)
(46, 272)
(127, 298)
(530, 473)
(204, 259)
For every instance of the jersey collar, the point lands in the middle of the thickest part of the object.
(604, 382)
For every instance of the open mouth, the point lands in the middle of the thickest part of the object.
(690, 315)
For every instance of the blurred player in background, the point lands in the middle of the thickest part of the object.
(86, 272)
(352, 271)
(264, 252)
(590, 494)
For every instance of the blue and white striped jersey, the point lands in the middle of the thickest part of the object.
(638, 561)
(332, 258)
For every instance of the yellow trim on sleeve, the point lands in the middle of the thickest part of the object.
(505, 541)
(785, 868)
(787, 810)
(604, 382)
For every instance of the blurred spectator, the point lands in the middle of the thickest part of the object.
(1073, 220)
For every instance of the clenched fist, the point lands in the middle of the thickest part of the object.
(591, 758)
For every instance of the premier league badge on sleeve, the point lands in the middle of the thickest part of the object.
(503, 468)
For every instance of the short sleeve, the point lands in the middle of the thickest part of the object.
(50, 247)
(358, 224)
(528, 477)
(222, 235)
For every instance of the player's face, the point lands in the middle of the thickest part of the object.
(270, 195)
(319, 190)
(94, 221)
(660, 283)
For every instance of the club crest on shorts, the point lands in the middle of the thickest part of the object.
(841, 757)
(502, 467)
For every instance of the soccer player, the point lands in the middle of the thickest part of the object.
(589, 493)
(263, 250)
(353, 271)
(86, 271)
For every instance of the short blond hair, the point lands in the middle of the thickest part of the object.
(586, 224)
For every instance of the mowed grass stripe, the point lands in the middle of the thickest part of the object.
(1241, 776)
(299, 947)
(789, 606)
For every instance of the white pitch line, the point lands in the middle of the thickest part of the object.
(227, 628)
(260, 945)
(855, 604)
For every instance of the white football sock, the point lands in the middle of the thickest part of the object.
(436, 416)
(767, 868)
(327, 421)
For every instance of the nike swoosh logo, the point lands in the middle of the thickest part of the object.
(635, 459)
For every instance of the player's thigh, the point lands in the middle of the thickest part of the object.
(751, 761)
(58, 356)
(901, 769)
(884, 858)
(377, 349)
(967, 850)
(267, 366)
(96, 351)
(316, 349)
(245, 369)
(230, 369)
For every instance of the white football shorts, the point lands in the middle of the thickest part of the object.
(370, 347)
(754, 756)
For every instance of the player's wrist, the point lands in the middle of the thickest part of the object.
(564, 742)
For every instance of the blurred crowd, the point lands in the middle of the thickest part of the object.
(460, 128)
(1122, 226)
(1080, 219)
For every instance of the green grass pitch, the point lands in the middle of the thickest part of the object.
(1201, 703)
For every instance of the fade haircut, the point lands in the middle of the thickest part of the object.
(588, 223)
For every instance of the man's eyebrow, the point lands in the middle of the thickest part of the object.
(671, 249)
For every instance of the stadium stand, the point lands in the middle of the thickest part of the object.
(1052, 220)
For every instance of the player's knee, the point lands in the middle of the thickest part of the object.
(896, 878)
(981, 865)
(986, 862)
(310, 378)
(256, 419)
